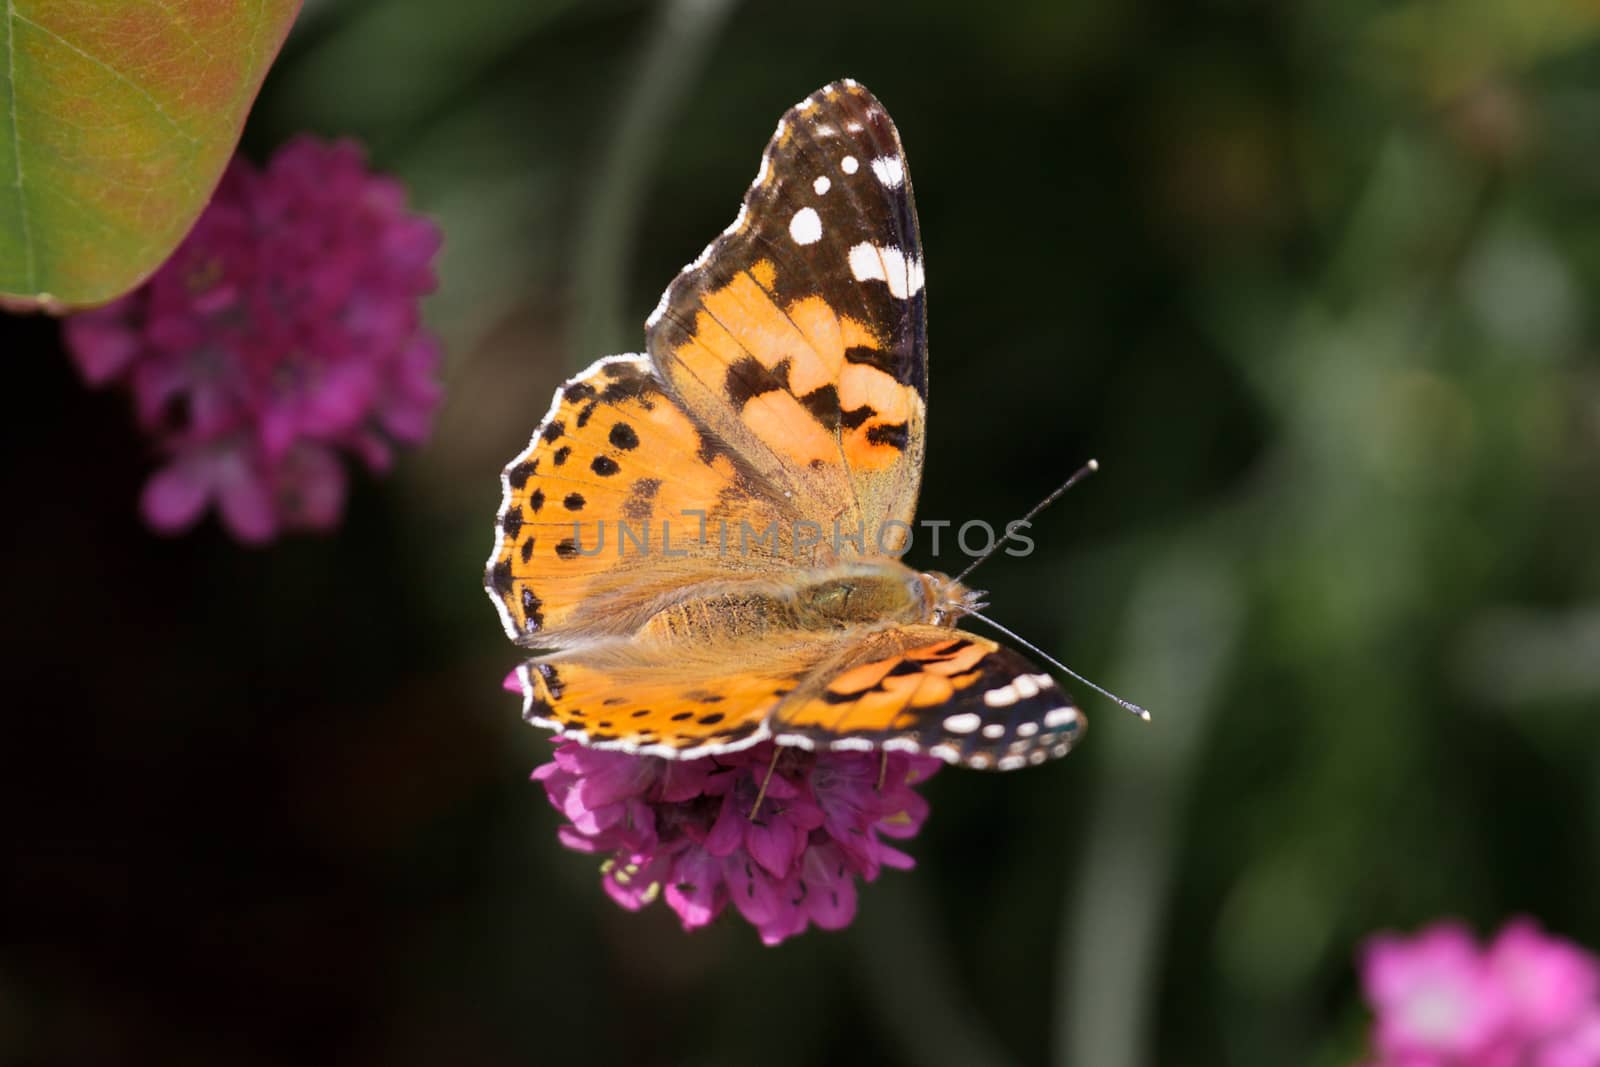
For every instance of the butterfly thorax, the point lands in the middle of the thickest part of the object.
(867, 594)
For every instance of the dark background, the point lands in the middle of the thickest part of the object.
(1313, 281)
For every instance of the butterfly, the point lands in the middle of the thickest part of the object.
(700, 545)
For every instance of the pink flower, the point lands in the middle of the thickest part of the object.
(1441, 1000)
(282, 335)
(1550, 984)
(681, 829)
(1432, 994)
(1579, 1046)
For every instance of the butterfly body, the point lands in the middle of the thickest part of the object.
(701, 544)
(869, 594)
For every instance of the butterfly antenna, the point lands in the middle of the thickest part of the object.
(1062, 667)
(1079, 475)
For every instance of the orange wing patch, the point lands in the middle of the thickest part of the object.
(651, 703)
(619, 502)
(800, 386)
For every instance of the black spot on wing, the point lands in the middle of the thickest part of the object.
(531, 609)
(518, 476)
(500, 577)
(856, 417)
(552, 682)
(889, 433)
(823, 404)
(748, 378)
(624, 437)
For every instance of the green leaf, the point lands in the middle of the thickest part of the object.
(116, 120)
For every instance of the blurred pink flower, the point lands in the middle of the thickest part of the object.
(1432, 993)
(681, 829)
(1550, 985)
(283, 333)
(1442, 1000)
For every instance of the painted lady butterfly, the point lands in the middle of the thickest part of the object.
(700, 545)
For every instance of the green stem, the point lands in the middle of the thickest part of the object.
(678, 46)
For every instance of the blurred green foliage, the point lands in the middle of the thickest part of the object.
(1312, 281)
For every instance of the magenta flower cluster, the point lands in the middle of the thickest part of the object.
(1443, 1000)
(282, 333)
(681, 829)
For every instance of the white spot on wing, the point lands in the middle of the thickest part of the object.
(822, 184)
(1060, 717)
(849, 165)
(1001, 697)
(890, 170)
(865, 263)
(964, 723)
(994, 731)
(887, 264)
(806, 226)
(1011, 763)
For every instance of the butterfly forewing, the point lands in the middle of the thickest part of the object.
(798, 335)
(621, 503)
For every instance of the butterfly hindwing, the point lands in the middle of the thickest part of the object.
(798, 336)
(937, 691)
(925, 689)
(663, 701)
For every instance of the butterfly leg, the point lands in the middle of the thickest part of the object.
(883, 767)
(761, 794)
